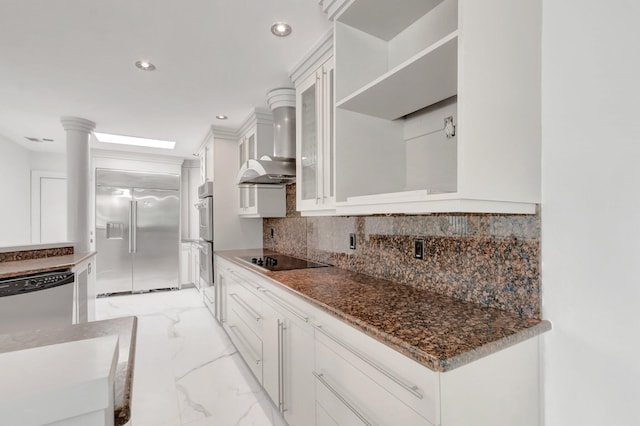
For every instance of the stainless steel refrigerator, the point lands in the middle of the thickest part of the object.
(137, 231)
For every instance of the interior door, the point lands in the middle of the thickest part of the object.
(113, 217)
(156, 239)
(53, 210)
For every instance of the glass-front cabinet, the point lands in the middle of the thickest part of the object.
(254, 142)
(247, 150)
(315, 142)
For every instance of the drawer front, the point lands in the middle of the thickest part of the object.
(247, 305)
(410, 383)
(245, 340)
(352, 397)
(323, 418)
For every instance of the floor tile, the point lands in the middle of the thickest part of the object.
(187, 371)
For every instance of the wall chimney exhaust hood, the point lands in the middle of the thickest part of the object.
(280, 168)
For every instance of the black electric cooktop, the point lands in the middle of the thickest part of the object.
(280, 262)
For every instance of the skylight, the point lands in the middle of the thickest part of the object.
(132, 140)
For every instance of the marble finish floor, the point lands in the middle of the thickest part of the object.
(187, 371)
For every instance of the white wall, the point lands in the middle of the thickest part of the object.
(591, 211)
(15, 192)
(49, 161)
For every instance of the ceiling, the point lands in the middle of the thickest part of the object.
(76, 58)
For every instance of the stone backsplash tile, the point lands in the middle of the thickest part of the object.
(490, 259)
(289, 235)
(12, 256)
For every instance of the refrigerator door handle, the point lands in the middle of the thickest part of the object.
(134, 228)
(131, 228)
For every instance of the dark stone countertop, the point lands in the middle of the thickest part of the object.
(125, 328)
(32, 266)
(440, 332)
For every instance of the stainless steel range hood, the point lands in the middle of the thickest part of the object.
(280, 168)
(268, 171)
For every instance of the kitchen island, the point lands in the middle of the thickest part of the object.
(124, 328)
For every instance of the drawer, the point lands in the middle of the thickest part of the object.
(384, 371)
(249, 345)
(246, 304)
(352, 397)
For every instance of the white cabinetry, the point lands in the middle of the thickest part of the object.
(185, 264)
(288, 357)
(400, 82)
(195, 264)
(314, 79)
(84, 291)
(255, 141)
(319, 370)
(205, 156)
(273, 335)
(358, 377)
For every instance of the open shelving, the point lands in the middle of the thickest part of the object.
(404, 69)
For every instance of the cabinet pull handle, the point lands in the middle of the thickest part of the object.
(342, 399)
(413, 389)
(234, 329)
(281, 393)
(284, 304)
(244, 305)
(242, 280)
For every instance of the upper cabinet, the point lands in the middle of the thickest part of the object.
(437, 109)
(205, 155)
(315, 148)
(256, 140)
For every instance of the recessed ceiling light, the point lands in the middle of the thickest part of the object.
(132, 140)
(281, 29)
(145, 65)
(221, 117)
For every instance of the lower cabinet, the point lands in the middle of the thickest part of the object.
(320, 371)
(288, 353)
(84, 291)
(185, 264)
(244, 322)
(195, 264)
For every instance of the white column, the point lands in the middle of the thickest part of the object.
(78, 180)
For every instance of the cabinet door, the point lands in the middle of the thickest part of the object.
(288, 354)
(242, 158)
(308, 97)
(195, 265)
(328, 151)
(297, 378)
(185, 263)
(252, 154)
(208, 161)
(248, 150)
(91, 289)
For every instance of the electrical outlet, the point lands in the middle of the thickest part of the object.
(418, 248)
(352, 241)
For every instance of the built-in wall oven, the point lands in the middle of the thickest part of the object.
(205, 246)
(205, 211)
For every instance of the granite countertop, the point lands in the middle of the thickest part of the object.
(32, 266)
(437, 331)
(125, 328)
